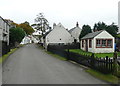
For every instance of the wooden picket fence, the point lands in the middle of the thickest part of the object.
(104, 65)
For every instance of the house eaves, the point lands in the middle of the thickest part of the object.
(92, 35)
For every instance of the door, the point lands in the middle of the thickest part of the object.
(86, 45)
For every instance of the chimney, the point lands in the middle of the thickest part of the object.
(77, 25)
(54, 25)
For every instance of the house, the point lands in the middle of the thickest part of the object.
(4, 36)
(26, 40)
(98, 42)
(75, 32)
(11, 23)
(58, 35)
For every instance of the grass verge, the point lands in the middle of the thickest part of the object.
(52, 54)
(2, 59)
(79, 51)
(56, 56)
(105, 77)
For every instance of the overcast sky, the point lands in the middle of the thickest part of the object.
(68, 12)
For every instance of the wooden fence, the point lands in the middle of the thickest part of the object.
(104, 65)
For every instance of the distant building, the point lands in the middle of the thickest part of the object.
(98, 42)
(26, 40)
(75, 32)
(37, 35)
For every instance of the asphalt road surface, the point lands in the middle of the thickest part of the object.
(32, 65)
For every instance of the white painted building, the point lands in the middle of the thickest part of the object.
(58, 35)
(98, 42)
(34, 39)
(4, 30)
(26, 40)
(75, 32)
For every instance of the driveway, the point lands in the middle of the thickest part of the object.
(32, 65)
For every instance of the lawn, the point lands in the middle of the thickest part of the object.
(106, 77)
(79, 51)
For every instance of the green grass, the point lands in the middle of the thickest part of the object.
(2, 59)
(79, 51)
(106, 77)
(56, 56)
(118, 35)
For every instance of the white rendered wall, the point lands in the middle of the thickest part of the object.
(103, 35)
(59, 35)
(76, 33)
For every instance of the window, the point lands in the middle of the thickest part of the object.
(109, 43)
(104, 43)
(82, 43)
(90, 43)
(98, 43)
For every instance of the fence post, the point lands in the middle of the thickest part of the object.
(92, 60)
(68, 52)
(107, 69)
(115, 63)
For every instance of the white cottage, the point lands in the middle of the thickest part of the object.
(98, 42)
(58, 35)
(26, 40)
(75, 32)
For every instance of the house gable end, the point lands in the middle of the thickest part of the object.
(104, 34)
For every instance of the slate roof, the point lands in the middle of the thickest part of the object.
(92, 35)
(71, 30)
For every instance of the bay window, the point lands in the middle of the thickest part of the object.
(104, 43)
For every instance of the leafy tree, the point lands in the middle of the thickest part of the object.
(41, 24)
(85, 30)
(26, 27)
(16, 35)
(112, 29)
(99, 26)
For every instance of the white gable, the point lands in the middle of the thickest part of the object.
(76, 33)
(104, 34)
(59, 35)
(100, 49)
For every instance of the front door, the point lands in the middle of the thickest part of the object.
(86, 45)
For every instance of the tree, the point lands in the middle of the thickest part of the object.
(16, 35)
(99, 26)
(41, 24)
(26, 27)
(85, 30)
(112, 29)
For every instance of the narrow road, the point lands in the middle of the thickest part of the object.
(31, 65)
